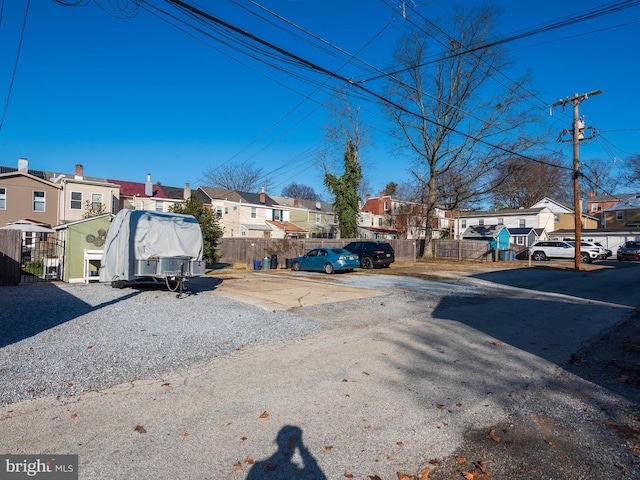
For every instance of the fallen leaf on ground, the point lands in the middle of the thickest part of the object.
(374, 477)
(185, 434)
(264, 415)
(492, 435)
(270, 467)
(237, 467)
(73, 415)
(440, 406)
(400, 444)
(348, 475)
(365, 373)
(434, 461)
(249, 461)
(624, 378)
(461, 460)
(328, 447)
(404, 476)
(140, 429)
(424, 474)
(243, 438)
(167, 384)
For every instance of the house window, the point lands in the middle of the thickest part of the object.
(594, 207)
(235, 208)
(380, 222)
(520, 240)
(159, 206)
(481, 222)
(3, 198)
(219, 211)
(523, 223)
(277, 215)
(386, 206)
(318, 218)
(254, 212)
(619, 215)
(226, 211)
(463, 224)
(76, 200)
(96, 202)
(556, 218)
(501, 221)
(38, 201)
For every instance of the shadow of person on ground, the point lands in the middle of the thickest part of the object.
(284, 463)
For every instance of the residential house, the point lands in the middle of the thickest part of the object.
(250, 215)
(599, 203)
(315, 217)
(386, 217)
(498, 236)
(81, 195)
(27, 194)
(623, 215)
(563, 216)
(540, 218)
(523, 237)
(143, 196)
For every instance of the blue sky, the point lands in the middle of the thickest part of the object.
(126, 95)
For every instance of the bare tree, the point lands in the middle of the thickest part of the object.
(300, 192)
(450, 119)
(519, 183)
(597, 177)
(630, 175)
(243, 177)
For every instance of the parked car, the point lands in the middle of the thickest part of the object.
(602, 252)
(548, 249)
(372, 254)
(608, 253)
(327, 260)
(629, 251)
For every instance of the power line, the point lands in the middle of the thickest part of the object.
(15, 65)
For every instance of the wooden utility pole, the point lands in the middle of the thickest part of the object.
(578, 134)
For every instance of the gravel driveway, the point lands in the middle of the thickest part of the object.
(423, 373)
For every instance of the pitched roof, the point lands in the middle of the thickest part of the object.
(137, 189)
(610, 198)
(520, 231)
(502, 213)
(236, 196)
(288, 227)
(631, 203)
(478, 231)
(35, 173)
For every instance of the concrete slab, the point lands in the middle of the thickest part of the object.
(280, 293)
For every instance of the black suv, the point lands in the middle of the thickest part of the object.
(372, 254)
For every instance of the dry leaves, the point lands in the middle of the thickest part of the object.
(249, 461)
(483, 474)
(264, 415)
(424, 474)
(400, 444)
(492, 435)
(185, 434)
(328, 447)
(348, 475)
(73, 415)
(139, 429)
(237, 467)
(461, 460)
(404, 476)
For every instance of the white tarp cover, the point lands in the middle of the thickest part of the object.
(139, 234)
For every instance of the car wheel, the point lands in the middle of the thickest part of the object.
(367, 263)
(585, 258)
(296, 266)
(328, 268)
(539, 256)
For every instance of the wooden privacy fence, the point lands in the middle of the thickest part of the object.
(10, 253)
(248, 250)
(463, 250)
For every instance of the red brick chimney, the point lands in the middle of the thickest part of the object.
(79, 171)
(263, 197)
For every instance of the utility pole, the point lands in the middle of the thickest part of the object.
(578, 134)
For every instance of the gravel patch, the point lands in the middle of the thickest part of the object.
(66, 339)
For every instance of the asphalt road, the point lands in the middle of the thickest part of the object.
(409, 373)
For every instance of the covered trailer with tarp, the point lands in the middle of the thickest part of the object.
(143, 245)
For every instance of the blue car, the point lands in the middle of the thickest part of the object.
(327, 260)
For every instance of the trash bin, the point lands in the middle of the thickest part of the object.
(256, 265)
(266, 263)
(287, 263)
(274, 262)
(506, 255)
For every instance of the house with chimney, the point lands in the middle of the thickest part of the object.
(82, 196)
(27, 194)
(315, 219)
(148, 195)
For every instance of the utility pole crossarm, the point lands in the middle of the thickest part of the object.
(576, 98)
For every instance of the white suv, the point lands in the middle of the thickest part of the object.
(559, 249)
(599, 249)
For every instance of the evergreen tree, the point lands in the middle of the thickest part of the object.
(345, 191)
(211, 230)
